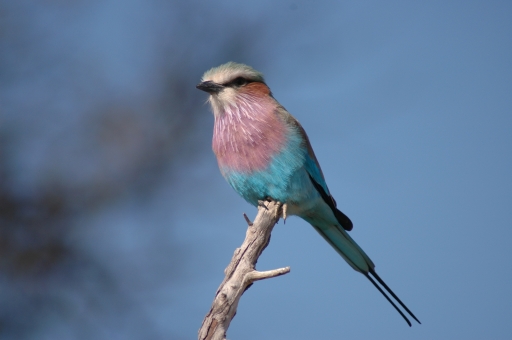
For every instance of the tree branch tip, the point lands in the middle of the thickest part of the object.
(249, 223)
(257, 275)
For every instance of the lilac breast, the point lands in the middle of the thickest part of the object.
(247, 136)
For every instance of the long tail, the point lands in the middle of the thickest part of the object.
(374, 274)
(341, 241)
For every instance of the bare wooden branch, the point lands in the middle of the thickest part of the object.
(249, 223)
(241, 273)
(256, 275)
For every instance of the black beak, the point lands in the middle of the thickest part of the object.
(210, 87)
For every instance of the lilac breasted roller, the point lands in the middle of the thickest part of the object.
(263, 152)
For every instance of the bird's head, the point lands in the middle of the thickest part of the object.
(231, 84)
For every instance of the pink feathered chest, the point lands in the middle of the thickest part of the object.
(246, 139)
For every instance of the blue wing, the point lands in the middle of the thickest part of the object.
(318, 180)
(315, 172)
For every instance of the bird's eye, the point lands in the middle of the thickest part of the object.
(240, 81)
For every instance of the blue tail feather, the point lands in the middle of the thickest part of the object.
(341, 241)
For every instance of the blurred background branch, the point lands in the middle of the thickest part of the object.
(99, 109)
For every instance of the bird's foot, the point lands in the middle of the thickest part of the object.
(265, 202)
(280, 212)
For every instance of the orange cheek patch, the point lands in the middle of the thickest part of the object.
(256, 89)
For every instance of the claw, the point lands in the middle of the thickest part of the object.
(285, 208)
(262, 204)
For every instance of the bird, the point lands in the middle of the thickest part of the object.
(264, 153)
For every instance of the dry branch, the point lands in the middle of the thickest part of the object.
(241, 273)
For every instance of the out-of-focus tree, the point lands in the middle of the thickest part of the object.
(97, 103)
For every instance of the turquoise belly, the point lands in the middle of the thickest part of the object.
(285, 179)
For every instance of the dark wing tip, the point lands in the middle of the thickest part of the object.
(345, 222)
(343, 219)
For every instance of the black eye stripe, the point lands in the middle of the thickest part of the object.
(237, 82)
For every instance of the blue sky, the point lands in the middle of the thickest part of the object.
(408, 107)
